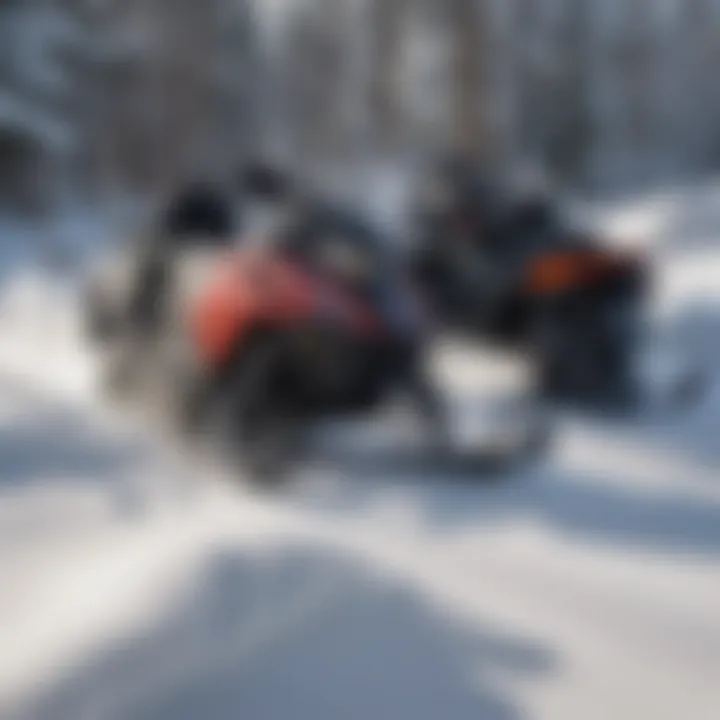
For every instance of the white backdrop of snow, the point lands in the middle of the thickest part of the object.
(136, 584)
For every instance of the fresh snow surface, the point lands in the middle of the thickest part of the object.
(139, 583)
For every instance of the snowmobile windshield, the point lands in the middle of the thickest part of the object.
(529, 227)
(340, 244)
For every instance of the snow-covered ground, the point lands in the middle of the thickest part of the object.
(135, 583)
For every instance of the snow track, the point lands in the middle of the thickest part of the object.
(136, 584)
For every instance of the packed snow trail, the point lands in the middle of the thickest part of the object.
(138, 584)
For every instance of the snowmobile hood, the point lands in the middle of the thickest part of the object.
(264, 289)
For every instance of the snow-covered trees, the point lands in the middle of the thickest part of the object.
(103, 97)
(174, 90)
(115, 96)
(39, 43)
(598, 91)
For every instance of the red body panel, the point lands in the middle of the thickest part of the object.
(262, 289)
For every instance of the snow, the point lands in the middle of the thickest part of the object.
(139, 583)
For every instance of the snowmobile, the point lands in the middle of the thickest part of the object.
(256, 344)
(510, 270)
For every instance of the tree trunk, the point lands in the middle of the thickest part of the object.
(470, 131)
(387, 18)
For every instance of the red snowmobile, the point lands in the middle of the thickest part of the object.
(258, 343)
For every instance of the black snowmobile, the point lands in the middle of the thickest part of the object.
(511, 270)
